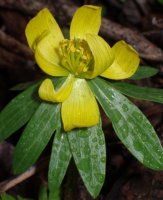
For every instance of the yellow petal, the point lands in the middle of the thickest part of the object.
(80, 109)
(40, 26)
(48, 93)
(125, 64)
(43, 36)
(47, 57)
(102, 53)
(87, 19)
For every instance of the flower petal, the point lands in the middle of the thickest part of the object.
(102, 53)
(41, 25)
(43, 36)
(87, 19)
(47, 92)
(125, 64)
(80, 109)
(47, 57)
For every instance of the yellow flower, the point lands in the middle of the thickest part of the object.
(84, 56)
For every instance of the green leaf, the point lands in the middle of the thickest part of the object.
(143, 93)
(144, 72)
(89, 153)
(131, 126)
(54, 195)
(21, 198)
(161, 1)
(35, 136)
(24, 86)
(20, 109)
(43, 193)
(58, 81)
(9, 197)
(6, 197)
(18, 112)
(59, 161)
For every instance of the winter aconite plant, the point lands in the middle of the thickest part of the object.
(65, 104)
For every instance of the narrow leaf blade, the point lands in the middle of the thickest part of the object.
(6, 197)
(143, 93)
(43, 194)
(35, 136)
(161, 1)
(144, 72)
(18, 112)
(131, 126)
(59, 161)
(24, 86)
(88, 149)
(54, 195)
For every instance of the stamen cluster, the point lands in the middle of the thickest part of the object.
(76, 56)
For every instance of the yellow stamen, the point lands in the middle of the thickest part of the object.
(76, 56)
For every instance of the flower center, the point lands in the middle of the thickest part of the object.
(76, 56)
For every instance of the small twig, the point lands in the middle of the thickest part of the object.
(25, 6)
(6, 185)
(8, 59)
(110, 29)
(115, 31)
(12, 182)
(153, 110)
(145, 48)
(11, 44)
